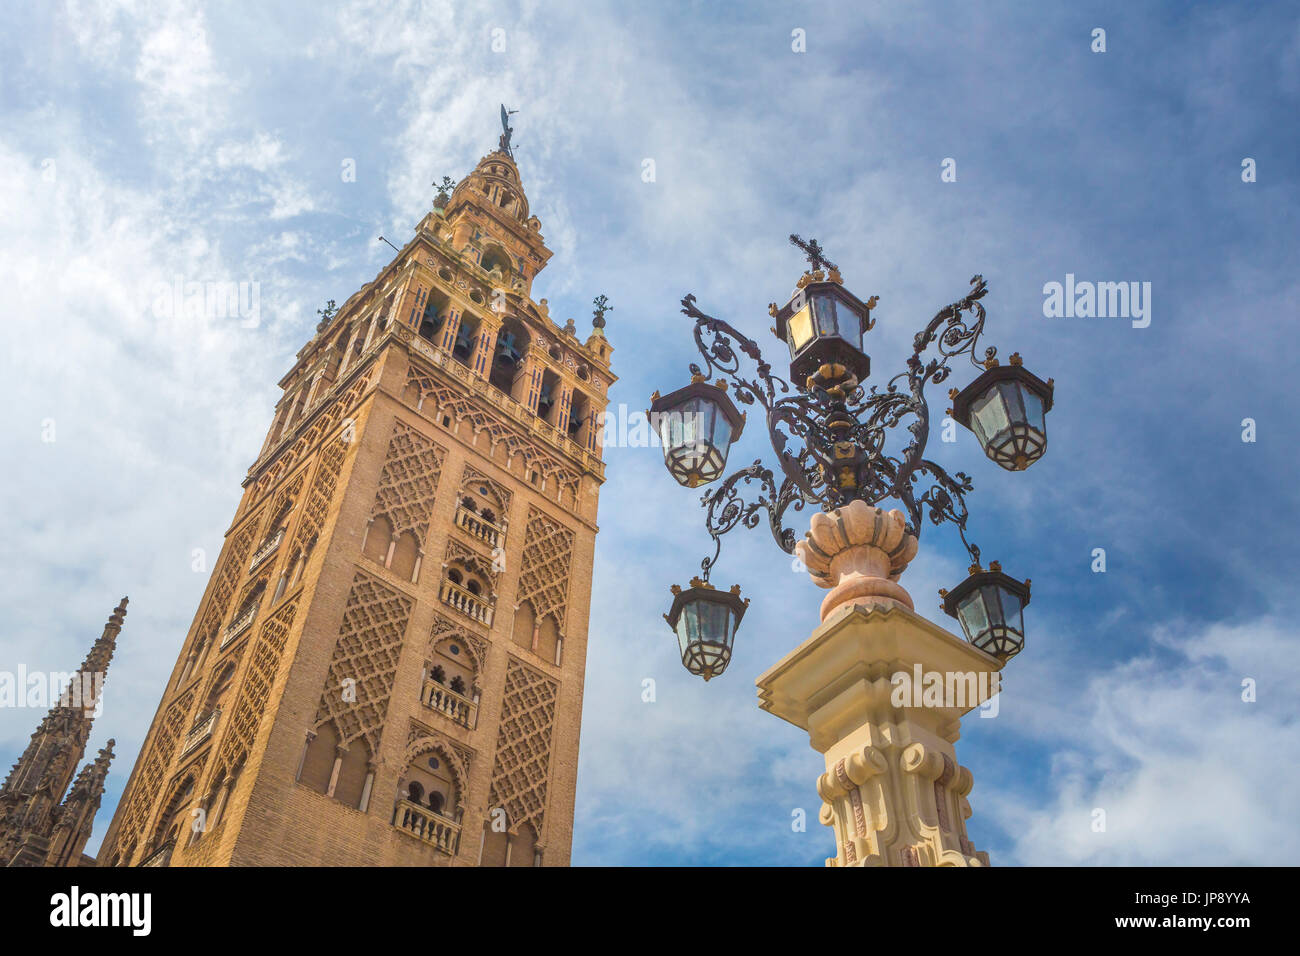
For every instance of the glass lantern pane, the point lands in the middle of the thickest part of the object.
(1015, 408)
(993, 606)
(974, 619)
(721, 433)
(708, 416)
(990, 415)
(1012, 611)
(826, 319)
(690, 411)
(713, 622)
(1033, 410)
(799, 331)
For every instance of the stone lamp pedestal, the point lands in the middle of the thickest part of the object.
(881, 692)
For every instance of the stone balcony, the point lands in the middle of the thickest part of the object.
(466, 602)
(427, 826)
(478, 527)
(455, 707)
(239, 625)
(161, 856)
(201, 730)
(268, 548)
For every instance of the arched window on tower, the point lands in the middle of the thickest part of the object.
(428, 804)
(550, 393)
(466, 339)
(378, 538)
(494, 257)
(548, 639)
(318, 761)
(466, 589)
(579, 418)
(434, 316)
(523, 846)
(508, 360)
(525, 622)
(450, 688)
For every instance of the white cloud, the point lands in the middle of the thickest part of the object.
(1183, 768)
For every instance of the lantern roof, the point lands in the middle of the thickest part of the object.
(812, 283)
(980, 578)
(1013, 371)
(715, 392)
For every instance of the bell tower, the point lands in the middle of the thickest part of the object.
(387, 665)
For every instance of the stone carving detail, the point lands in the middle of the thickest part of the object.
(522, 768)
(444, 627)
(255, 691)
(318, 501)
(858, 552)
(153, 771)
(473, 561)
(367, 652)
(236, 563)
(323, 426)
(861, 795)
(408, 481)
(422, 740)
(545, 567)
(472, 477)
(287, 495)
(448, 400)
(190, 775)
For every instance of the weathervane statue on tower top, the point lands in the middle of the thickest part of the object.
(506, 130)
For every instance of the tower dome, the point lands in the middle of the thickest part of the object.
(496, 177)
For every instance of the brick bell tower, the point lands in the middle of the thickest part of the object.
(387, 665)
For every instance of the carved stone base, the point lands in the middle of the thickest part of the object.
(893, 791)
(858, 552)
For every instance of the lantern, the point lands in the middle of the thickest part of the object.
(823, 325)
(705, 621)
(696, 427)
(990, 607)
(1005, 408)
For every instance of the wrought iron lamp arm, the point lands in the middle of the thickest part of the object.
(954, 330)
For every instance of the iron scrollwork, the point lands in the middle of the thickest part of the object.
(798, 424)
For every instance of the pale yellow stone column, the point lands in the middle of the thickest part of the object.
(881, 692)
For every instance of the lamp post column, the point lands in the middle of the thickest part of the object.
(881, 692)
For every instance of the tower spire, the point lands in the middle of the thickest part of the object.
(101, 652)
(30, 810)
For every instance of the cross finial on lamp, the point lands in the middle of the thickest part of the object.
(814, 252)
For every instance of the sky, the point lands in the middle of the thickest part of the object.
(144, 143)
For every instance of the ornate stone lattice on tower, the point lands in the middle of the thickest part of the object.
(39, 826)
(387, 665)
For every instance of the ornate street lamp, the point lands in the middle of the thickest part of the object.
(696, 427)
(990, 608)
(1004, 407)
(705, 621)
(829, 430)
(823, 324)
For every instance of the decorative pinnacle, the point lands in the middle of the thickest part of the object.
(326, 314)
(813, 251)
(444, 191)
(601, 302)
